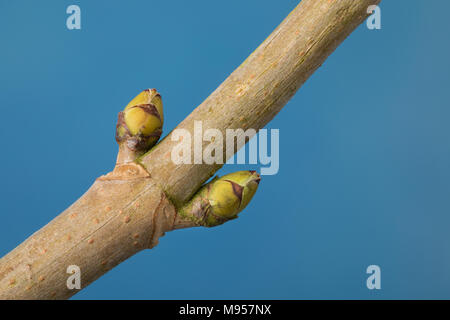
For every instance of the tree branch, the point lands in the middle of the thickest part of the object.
(128, 209)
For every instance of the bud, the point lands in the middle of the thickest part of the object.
(140, 124)
(223, 198)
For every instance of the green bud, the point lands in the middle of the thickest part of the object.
(222, 199)
(140, 124)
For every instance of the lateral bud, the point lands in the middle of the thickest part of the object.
(222, 199)
(139, 125)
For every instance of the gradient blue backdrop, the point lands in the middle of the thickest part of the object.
(364, 146)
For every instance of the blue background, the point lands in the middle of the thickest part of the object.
(364, 146)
